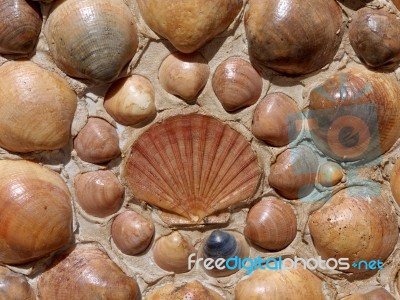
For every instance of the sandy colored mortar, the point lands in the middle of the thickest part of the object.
(152, 50)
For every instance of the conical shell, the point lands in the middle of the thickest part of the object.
(192, 165)
(91, 39)
(86, 273)
(35, 212)
(14, 286)
(353, 114)
(25, 90)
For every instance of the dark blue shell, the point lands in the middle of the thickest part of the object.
(220, 244)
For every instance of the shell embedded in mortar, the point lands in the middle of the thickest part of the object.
(329, 174)
(376, 294)
(14, 286)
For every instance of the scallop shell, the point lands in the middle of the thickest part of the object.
(14, 286)
(293, 174)
(20, 28)
(193, 166)
(353, 114)
(86, 273)
(87, 40)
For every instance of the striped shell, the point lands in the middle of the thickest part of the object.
(193, 166)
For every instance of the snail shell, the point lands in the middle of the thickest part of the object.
(191, 290)
(99, 193)
(97, 142)
(35, 212)
(130, 100)
(86, 273)
(25, 90)
(353, 114)
(355, 224)
(132, 233)
(171, 253)
(277, 120)
(395, 182)
(293, 173)
(87, 40)
(329, 174)
(19, 34)
(184, 75)
(236, 84)
(271, 224)
(374, 36)
(377, 294)
(189, 24)
(293, 36)
(13, 286)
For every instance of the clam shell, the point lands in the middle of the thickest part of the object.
(14, 286)
(86, 273)
(293, 174)
(25, 90)
(87, 40)
(293, 36)
(353, 114)
(377, 294)
(193, 166)
(329, 174)
(19, 34)
(357, 224)
(189, 24)
(236, 84)
(271, 224)
(35, 212)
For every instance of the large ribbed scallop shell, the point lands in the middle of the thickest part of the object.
(192, 165)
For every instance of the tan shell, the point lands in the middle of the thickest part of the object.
(395, 182)
(277, 120)
(35, 212)
(97, 142)
(184, 75)
(13, 286)
(86, 273)
(329, 174)
(189, 24)
(130, 100)
(193, 166)
(99, 193)
(171, 253)
(25, 126)
(294, 36)
(191, 290)
(358, 224)
(132, 233)
(377, 294)
(19, 34)
(96, 47)
(236, 84)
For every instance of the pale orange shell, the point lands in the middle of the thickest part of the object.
(192, 165)
(14, 286)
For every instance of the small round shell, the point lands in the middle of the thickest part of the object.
(329, 174)
(14, 286)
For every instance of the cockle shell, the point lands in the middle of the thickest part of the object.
(353, 114)
(184, 75)
(377, 294)
(99, 193)
(86, 273)
(20, 26)
(358, 223)
(236, 84)
(35, 212)
(329, 174)
(293, 174)
(87, 40)
(14, 286)
(25, 90)
(193, 166)
(395, 182)
(189, 24)
(271, 224)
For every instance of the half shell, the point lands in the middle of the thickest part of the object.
(188, 291)
(14, 286)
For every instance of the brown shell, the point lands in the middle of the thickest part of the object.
(294, 36)
(25, 90)
(14, 286)
(189, 24)
(99, 193)
(353, 114)
(396, 3)
(329, 174)
(375, 37)
(236, 84)
(97, 142)
(19, 34)
(277, 120)
(271, 224)
(35, 212)
(192, 165)
(395, 182)
(87, 40)
(377, 294)
(358, 224)
(86, 273)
